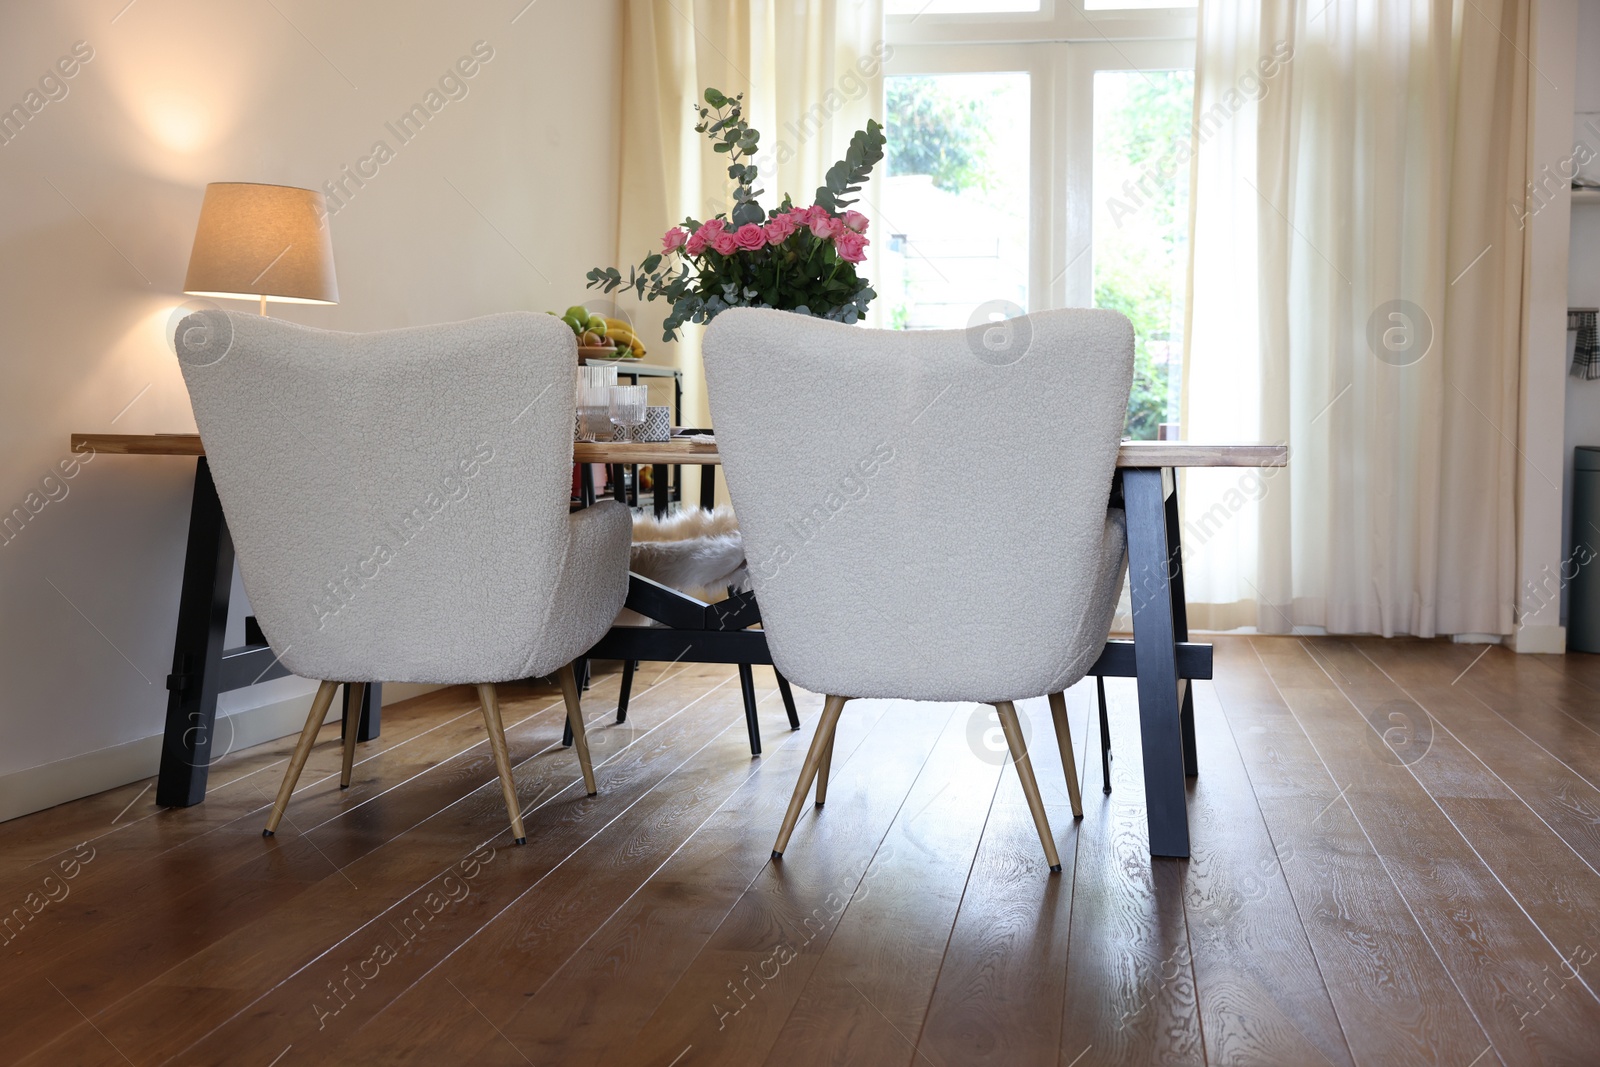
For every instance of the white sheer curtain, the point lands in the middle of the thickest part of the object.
(1356, 288)
(812, 74)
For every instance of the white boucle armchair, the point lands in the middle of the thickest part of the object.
(925, 513)
(398, 502)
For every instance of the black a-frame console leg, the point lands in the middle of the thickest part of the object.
(197, 649)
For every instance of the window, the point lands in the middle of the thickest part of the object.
(1031, 161)
(954, 206)
(1140, 227)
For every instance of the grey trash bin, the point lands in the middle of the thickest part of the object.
(1583, 596)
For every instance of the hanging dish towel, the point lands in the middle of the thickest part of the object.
(1586, 355)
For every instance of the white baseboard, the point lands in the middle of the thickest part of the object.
(36, 788)
(1543, 640)
(1478, 639)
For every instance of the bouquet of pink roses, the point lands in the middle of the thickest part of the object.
(795, 259)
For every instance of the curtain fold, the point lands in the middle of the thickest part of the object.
(812, 74)
(1356, 290)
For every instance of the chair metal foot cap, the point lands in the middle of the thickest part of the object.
(344, 785)
(777, 855)
(595, 793)
(1056, 869)
(519, 841)
(821, 802)
(566, 744)
(1106, 790)
(266, 833)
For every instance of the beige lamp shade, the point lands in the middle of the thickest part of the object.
(268, 242)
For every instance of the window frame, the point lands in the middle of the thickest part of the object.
(1061, 133)
(1056, 20)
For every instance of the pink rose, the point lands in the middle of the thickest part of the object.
(712, 227)
(696, 244)
(824, 225)
(750, 237)
(673, 238)
(851, 246)
(855, 221)
(780, 228)
(724, 243)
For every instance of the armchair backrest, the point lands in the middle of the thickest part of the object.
(923, 511)
(397, 500)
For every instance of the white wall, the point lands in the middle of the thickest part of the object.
(1543, 385)
(1583, 269)
(502, 202)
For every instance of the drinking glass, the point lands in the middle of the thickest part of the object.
(594, 385)
(627, 404)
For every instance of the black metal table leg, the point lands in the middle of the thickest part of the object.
(628, 666)
(1105, 735)
(747, 683)
(708, 487)
(197, 649)
(658, 479)
(580, 674)
(1180, 627)
(586, 484)
(788, 699)
(1154, 639)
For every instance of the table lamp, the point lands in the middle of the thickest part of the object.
(264, 242)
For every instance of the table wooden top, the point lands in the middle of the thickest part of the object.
(684, 451)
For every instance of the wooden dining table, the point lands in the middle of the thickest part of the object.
(1160, 657)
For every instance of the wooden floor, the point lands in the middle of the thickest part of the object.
(1434, 900)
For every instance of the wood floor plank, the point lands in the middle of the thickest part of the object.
(1261, 993)
(1130, 991)
(668, 727)
(722, 1009)
(1342, 905)
(386, 879)
(531, 957)
(1545, 706)
(867, 997)
(1000, 988)
(211, 883)
(1543, 873)
(1395, 1002)
(1505, 747)
(1485, 941)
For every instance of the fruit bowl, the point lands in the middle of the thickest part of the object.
(600, 337)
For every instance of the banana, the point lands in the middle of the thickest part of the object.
(621, 331)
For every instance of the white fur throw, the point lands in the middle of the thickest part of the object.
(698, 552)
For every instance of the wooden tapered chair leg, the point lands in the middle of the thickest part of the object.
(355, 696)
(1030, 785)
(490, 701)
(580, 741)
(820, 743)
(308, 737)
(825, 765)
(1058, 712)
